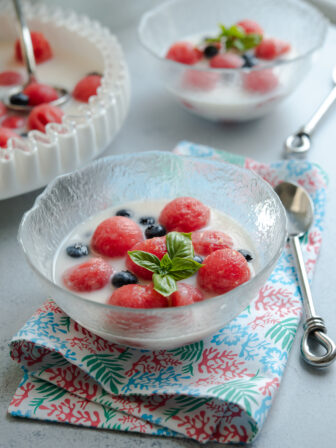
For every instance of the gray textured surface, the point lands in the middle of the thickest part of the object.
(303, 414)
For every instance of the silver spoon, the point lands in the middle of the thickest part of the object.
(299, 208)
(29, 61)
(298, 144)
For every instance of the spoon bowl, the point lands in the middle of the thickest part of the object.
(298, 205)
(63, 97)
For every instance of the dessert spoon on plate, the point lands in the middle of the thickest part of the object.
(300, 214)
(30, 64)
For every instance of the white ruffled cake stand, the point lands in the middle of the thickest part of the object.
(80, 46)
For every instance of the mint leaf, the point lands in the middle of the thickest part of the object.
(183, 268)
(145, 260)
(164, 284)
(179, 245)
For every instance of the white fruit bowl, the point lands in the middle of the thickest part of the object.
(80, 45)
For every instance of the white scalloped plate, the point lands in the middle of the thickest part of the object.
(80, 46)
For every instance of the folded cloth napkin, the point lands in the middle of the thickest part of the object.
(218, 389)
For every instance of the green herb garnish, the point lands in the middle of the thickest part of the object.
(235, 37)
(177, 264)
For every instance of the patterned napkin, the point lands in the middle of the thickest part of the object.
(219, 389)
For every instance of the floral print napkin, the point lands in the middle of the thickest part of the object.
(219, 389)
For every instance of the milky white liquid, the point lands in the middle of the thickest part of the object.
(228, 100)
(84, 231)
(65, 69)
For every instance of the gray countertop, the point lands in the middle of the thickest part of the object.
(303, 413)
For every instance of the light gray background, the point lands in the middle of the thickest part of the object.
(303, 414)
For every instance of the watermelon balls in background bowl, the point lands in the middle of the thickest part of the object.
(232, 61)
(117, 180)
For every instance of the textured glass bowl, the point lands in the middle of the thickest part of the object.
(291, 20)
(111, 181)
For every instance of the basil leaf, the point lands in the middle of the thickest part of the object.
(223, 30)
(251, 41)
(179, 245)
(164, 284)
(210, 40)
(183, 268)
(166, 262)
(145, 260)
(236, 31)
(237, 43)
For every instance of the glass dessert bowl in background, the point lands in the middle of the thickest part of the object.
(117, 180)
(231, 94)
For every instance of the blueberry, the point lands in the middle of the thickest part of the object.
(155, 230)
(147, 220)
(24, 134)
(210, 51)
(123, 278)
(249, 60)
(19, 99)
(198, 258)
(124, 212)
(77, 250)
(246, 254)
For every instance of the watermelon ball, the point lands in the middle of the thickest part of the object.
(261, 81)
(199, 80)
(41, 47)
(226, 60)
(184, 52)
(10, 78)
(86, 87)
(89, 276)
(184, 214)
(13, 122)
(223, 270)
(271, 49)
(207, 241)
(137, 296)
(43, 114)
(5, 135)
(115, 236)
(155, 246)
(40, 93)
(3, 109)
(185, 295)
(250, 27)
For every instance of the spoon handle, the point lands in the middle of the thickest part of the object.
(26, 42)
(298, 144)
(314, 325)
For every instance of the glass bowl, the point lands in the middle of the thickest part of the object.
(72, 198)
(229, 94)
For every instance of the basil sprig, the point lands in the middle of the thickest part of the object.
(177, 264)
(235, 37)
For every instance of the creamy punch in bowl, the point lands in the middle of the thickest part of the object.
(150, 177)
(232, 91)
